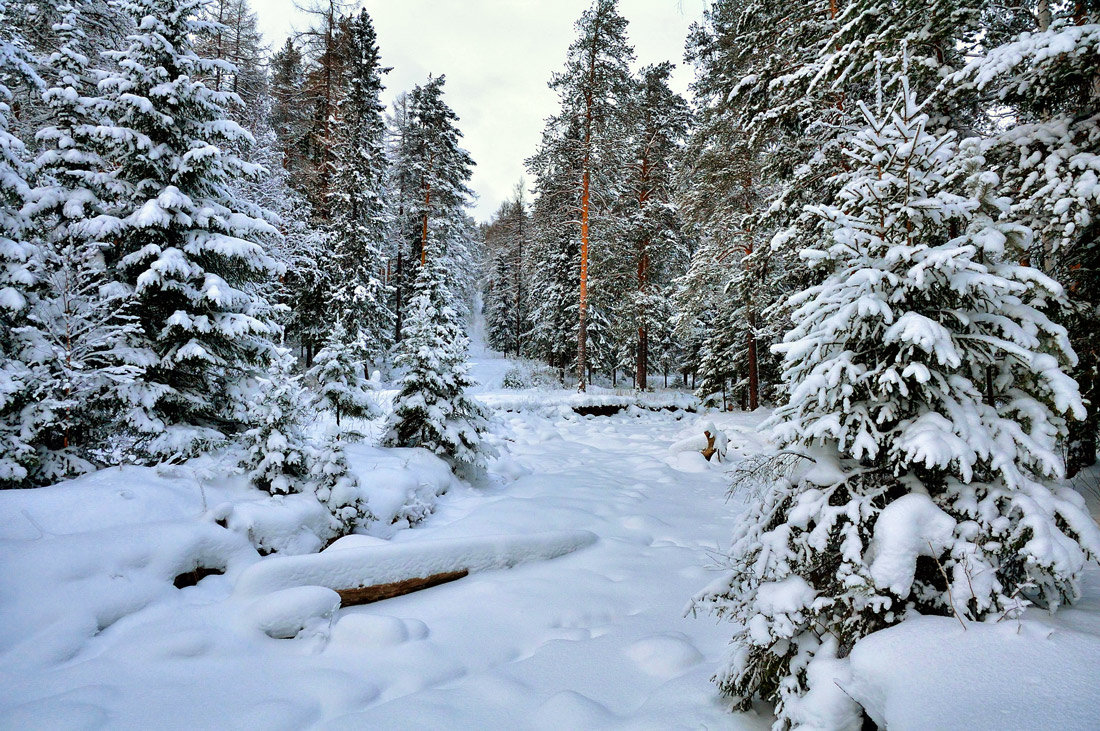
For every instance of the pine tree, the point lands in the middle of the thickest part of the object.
(403, 233)
(288, 117)
(17, 257)
(190, 253)
(555, 254)
(439, 167)
(339, 375)
(925, 382)
(593, 88)
(358, 208)
(231, 34)
(321, 94)
(432, 409)
(506, 295)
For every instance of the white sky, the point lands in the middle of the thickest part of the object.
(498, 56)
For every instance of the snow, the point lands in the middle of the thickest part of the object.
(784, 597)
(907, 528)
(1038, 672)
(95, 632)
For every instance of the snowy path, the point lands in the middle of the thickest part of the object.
(95, 637)
(595, 639)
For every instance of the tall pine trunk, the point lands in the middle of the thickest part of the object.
(582, 331)
(642, 359)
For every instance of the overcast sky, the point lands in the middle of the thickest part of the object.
(498, 56)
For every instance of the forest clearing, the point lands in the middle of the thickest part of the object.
(767, 398)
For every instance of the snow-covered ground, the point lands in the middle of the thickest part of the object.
(95, 633)
(611, 532)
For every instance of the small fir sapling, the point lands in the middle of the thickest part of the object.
(432, 409)
(342, 384)
(281, 459)
(277, 451)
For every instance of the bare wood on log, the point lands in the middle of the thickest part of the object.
(378, 592)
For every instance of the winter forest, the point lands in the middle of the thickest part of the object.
(770, 399)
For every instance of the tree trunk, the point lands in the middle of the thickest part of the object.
(586, 182)
(427, 210)
(582, 331)
(399, 285)
(754, 377)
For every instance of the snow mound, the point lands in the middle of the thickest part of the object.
(569, 709)
(298, 612)
(1038, 673)
(371, 630)
(402, 485)
(356, 567)
(288, 524)
(664, 656)
(58, 592)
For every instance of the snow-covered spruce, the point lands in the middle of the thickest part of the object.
(925, 380)
(276, 449)
(1050, 155)
(342, 385)
(359, 211)
(337, 487)
(280, 458)
(432, 409)
(78, 327)
(17, 256)
(191, 254)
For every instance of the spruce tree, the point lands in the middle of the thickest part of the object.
(357, 204)
(925, 398)
(17, 259)
(281, 459)
(277, 454)
(1049, 153)
(432, 409)
(190, 253)
(79, 325)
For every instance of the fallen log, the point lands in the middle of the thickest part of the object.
(378, 592)
(379, 571)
